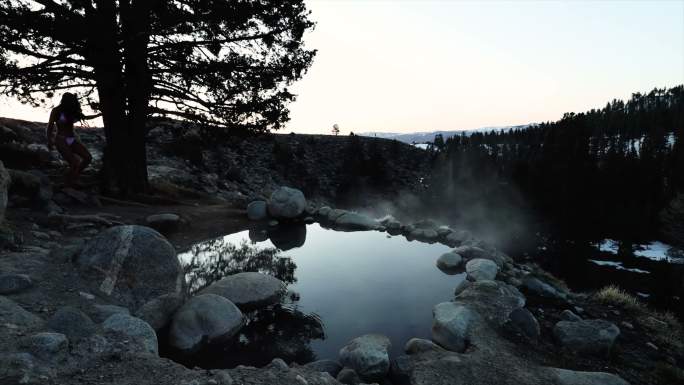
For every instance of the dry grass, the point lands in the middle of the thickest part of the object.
(613, 295)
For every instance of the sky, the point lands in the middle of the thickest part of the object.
(408, 66)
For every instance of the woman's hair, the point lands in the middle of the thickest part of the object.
(70, 107)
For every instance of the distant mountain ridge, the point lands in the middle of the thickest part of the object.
(429, 136)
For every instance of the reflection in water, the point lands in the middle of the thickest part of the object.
(281, 330)
(288, 237)
(212, 260)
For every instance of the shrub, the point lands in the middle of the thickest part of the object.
(613, 295)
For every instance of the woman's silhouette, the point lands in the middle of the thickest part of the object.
(69, 146)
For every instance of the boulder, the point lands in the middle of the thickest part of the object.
(71, 322)
(449, 262)
(568, 315)
(355, 221)
(457, 237)
(538, 287)
(524, 322)
(286, 203)
(419, 345)
(571, 377)
(481, 269)
(165, 223)
(327, 366)
(13, 314)
(13, 283)
(257, 210)
(5, 181)
(33, 185)
(493, 299)
(472, 252)
(248, 290)
(368, 355)
(159, 311)
(586, 336)
(47, 346)
(134, 330)
(206, 318)
(450, 325)
(391, 223)
(100, 313)
(461, 285)
(132, 264)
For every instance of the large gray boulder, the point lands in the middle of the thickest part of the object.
(451, 325)
(248, 290)
(286, 203)
(206, 318)
(481, 269)
(159, 311)
(257, 210)
(132, 264)
(368, 355)
(134, 330)
(71, 322)
(5, 181)
(355, 221)
(492, 299)
(13, 283)
(587, 336)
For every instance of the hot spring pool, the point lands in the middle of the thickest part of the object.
(340, 285)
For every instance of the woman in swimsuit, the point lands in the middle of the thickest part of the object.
(69, 146)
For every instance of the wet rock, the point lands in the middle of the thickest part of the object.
(4, 187)
(356, 221)
(13, 283)
(457, 237)
(47, 346)
(132, 264)
(165, 223)
(419, 345)
(328, 366)
(390, 223)
(450, 325)
(586, 336)
(205, 318)
(568, 315)
(100, 313)
(257, 210)
(494, 300)
(523, 321)
(135, 331)
(368, 355)
(481, 269)
(159, 311)
(248, 290)
(71, 322)
(462, 285)
(571, 377)
(348, 376)
(536, 286)
(472, 252)
(286, 203)
(13, 314)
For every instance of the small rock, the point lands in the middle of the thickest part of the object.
(542, 289)
(449, 262)
(328, 366)
(419, 345)
(101, 312)
(47, 346)
(481, 269)
(133, 329)
(368, 355)
(568, 315)
(13, 283)
(587, 336)
(525, 322)
(461, 286)
(348, 376)
(248, 289)
(279, 364)
(71, 322)
(159, 311)
(87, 296)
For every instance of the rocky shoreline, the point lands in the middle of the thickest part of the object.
(90, 311)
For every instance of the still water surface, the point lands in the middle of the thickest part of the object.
(344, 284)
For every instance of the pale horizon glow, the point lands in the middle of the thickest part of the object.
(409, 66)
